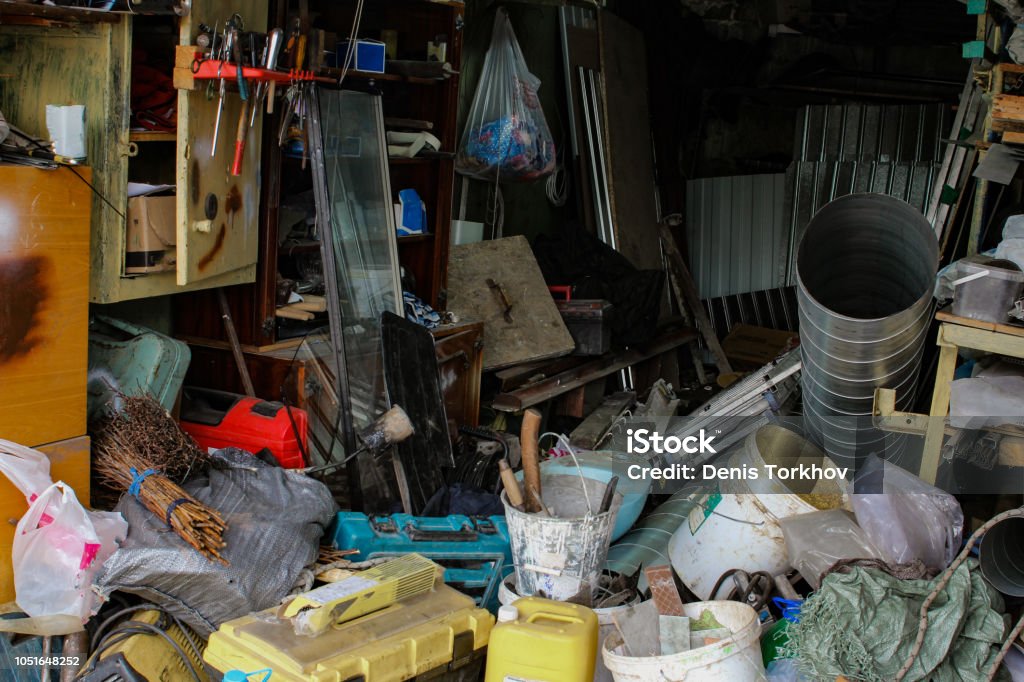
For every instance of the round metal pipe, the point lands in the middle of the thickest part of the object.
(865, 272)
(1001, 556)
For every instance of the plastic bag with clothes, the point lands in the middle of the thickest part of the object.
(59, 545)
(506, 135)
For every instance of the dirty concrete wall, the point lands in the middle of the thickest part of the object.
(527, 210)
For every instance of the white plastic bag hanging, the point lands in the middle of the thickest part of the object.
(506, 135)
(59, 546)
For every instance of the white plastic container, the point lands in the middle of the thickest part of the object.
(736, 659)
(986, 288)
(737, 525)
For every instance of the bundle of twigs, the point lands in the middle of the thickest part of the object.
(132, 457)
(143, 423)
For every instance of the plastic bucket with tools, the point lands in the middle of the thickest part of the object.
(561, 557)
(736, 658)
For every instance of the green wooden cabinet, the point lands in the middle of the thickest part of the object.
(86, 59)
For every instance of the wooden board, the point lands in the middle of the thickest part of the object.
(536, 331)
(627, 132)
(228, 241)
(69, 462)
(44, 293)
(591, 432)
(1008, 112)
(947, 316)
(554, 386)
(459, 351)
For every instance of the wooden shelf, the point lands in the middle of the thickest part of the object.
(9, 8)
(371, 76)
(405, 160)
(415, 238)
(151, 136)
(290, 248)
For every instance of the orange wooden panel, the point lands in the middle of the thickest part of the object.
(44, 292)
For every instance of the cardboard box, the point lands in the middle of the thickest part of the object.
(151, 235)
(749, 345)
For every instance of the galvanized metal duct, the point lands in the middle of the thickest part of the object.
(865, 270)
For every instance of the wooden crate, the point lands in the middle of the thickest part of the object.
(69, 462)
(44, 294)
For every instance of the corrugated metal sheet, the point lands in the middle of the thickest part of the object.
(771, 308)
(859, 132)
(742, 231)
(737, 233)
(811, 184)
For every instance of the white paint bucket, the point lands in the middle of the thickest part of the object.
(736, 658)
(507, 594)
(736, 525)
(561, 558)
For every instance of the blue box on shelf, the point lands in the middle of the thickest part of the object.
(368, 55)
(474, 551)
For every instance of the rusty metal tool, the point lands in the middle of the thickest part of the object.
(609, 495)
(274, 41)
(506, 302)
(236, 347)
(269, 61)
(236, 52)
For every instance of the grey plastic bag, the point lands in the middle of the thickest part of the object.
(275, 520)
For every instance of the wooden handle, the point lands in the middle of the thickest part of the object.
(508, 479)
(531, 455)
(310, 306)
(240, 135)
(293, 314)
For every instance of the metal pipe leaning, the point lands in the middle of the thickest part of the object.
(865, 273)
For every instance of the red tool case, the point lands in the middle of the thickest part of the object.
(217, 419)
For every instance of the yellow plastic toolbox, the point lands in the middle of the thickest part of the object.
(440, 635)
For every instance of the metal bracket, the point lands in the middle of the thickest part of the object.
(887, 418)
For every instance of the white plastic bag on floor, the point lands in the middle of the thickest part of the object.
(905, 517)
(59, 546)
(506, 135)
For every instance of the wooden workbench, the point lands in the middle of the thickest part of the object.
(956, 333)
